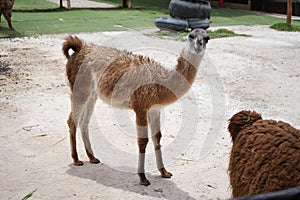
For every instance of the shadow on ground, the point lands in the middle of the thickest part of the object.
(7, 33)
(127, 181)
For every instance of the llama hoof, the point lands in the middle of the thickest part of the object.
(78, 163)
(145, 182)
(143, 179)
(95, 161)
(165, 173)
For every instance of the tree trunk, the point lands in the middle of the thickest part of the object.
(60, 4)
(289, 13)
(126, 3)
(129, 3)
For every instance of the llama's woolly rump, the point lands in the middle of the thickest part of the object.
(265, 155)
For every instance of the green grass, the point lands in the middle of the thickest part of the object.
(219, 33)
(33, 5)
(31, 17)
(285, 27)
(231, 17)
(29, 195)
(43, 18)
(222, 32)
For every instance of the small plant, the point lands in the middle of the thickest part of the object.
(222, 32)
(29, 195)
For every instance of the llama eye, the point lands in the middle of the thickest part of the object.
(191, 36)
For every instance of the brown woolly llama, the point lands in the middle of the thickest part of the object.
(125, 80)
(6, 9)
(265, 155)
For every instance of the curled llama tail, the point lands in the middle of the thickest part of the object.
(73, 43)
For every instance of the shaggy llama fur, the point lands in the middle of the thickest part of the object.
(265, 155)
(124, 80)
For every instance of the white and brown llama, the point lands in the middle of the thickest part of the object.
(125, 80)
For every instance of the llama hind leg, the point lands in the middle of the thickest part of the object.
(8, 19)
(142, 132)
(72, 128)
(78, 102)
(84, 123)
(82, 93)
(154, 119)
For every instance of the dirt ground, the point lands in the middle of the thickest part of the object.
(261, 73)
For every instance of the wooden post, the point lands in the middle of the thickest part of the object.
(129, 3)
(289, 13)
(124, 3)
(68, 4)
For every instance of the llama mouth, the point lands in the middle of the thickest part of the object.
(198, 49)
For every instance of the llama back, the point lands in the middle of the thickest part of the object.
(86, 59)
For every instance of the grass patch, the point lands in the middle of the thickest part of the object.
(231, 17)
(222, 32)
(45, 19)
(285, 27)
(32, 17)
(219, 33)
(33, 5)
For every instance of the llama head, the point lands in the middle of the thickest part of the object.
(197, 41)
(241, 120)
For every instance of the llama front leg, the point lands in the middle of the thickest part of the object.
(142, 133)
(154, 119)
(158, 154)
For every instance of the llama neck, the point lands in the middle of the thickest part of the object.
(188, 64)
(182, 77)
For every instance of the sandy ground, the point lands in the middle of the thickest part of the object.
(260, 73)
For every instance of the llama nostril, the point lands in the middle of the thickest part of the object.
(199, 42)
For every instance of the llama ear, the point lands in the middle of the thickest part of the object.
(206, 38)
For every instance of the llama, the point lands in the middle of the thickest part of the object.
(125, 80)
(6, 9)
(265, 155)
